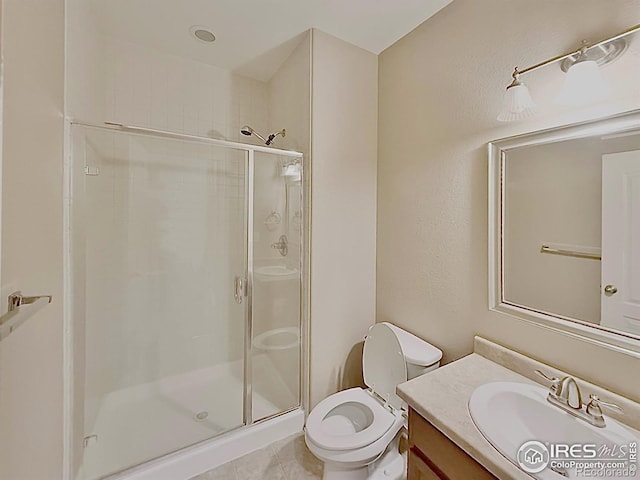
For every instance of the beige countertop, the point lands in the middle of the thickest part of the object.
(442, 397)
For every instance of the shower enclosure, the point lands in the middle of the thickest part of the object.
(187, 268)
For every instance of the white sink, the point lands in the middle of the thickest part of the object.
(510, 414)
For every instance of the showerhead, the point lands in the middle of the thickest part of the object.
(273, 136)
(248, 131)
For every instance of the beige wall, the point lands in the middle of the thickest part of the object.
(440, 90)
(32, 156)
(344, 132)
(289, 91)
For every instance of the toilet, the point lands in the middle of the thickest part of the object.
(356, 432)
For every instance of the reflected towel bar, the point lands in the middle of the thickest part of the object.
(554, 250)
(17, 314)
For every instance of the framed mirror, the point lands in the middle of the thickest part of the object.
(564, 229)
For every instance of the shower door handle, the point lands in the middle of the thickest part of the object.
(239, 289)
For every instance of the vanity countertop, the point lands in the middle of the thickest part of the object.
(441, 397)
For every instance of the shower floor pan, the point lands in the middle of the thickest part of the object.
(141, 423)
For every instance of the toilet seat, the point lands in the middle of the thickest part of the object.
(326, 437)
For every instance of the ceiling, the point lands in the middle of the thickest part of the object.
(255, 36)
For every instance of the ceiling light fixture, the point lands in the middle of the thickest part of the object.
(584, 82)
(202, 34)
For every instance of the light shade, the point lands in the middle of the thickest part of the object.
(584, 84)
(518, 103)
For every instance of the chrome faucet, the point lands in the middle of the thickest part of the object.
(569, 392)
(282, 244)
(564, 393)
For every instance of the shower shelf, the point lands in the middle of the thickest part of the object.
(276, 272)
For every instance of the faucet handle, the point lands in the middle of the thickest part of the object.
(555, 381)
(595, 404)
(547, 377)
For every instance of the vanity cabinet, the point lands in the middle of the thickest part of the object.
(432, 456)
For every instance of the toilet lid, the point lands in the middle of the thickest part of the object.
(383, 363)
(416, 351)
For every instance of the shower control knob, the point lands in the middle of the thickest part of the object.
(610, 290)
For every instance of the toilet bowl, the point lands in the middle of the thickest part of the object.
(356, 432)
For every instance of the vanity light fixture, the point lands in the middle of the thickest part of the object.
(518, 103)
(583, 84)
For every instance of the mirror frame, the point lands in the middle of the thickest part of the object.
(619, 341)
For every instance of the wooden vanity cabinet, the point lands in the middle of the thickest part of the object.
(432, 456)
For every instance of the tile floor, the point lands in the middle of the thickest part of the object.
(288, 459)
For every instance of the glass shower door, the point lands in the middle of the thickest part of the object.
(159, 237)
(277, 284)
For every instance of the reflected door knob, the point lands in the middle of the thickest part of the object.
(610, 290)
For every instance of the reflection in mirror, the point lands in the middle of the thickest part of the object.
(568, 225)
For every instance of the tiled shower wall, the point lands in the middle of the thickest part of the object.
(126, 83)
(150, 88)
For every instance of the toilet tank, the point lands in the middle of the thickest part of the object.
(421, 356)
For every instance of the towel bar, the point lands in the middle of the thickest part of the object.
(17, 314)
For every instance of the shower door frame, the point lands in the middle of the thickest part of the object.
(68, 318)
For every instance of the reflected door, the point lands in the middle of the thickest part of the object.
(159, 238)
(621, 241)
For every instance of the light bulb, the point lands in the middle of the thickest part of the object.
(584, 84)
(518, 103)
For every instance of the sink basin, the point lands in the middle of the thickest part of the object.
(511, 414)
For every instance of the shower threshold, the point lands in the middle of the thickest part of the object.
(208, 455)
